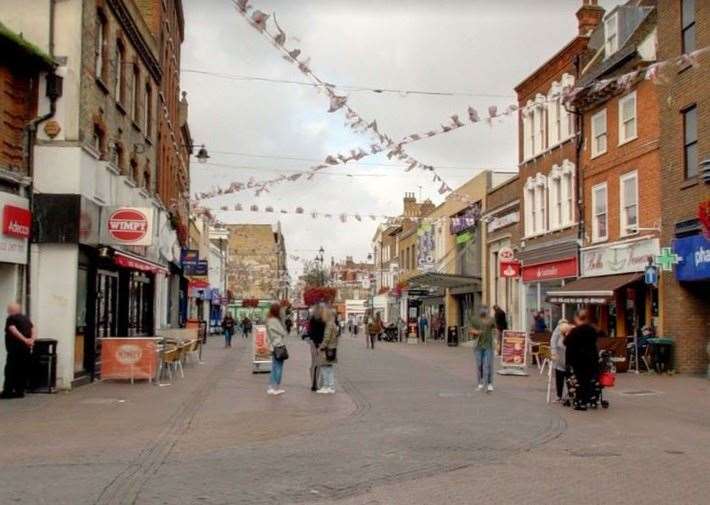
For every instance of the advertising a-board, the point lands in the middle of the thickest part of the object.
(513, 349)
(128, 358)
(261, 350)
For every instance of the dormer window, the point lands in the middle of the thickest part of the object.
(611, 35)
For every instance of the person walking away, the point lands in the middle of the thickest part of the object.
(557, 350)
(316, 331)
(482, 328)
(401, 328)
(20, 335)
(501, 324)
(228, 324)
(582, 357)
(423, 325)
(374, 328)
(246, 325)
(328, 354)
(539, 325)
(276, 333)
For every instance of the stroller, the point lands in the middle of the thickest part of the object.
(605, 378)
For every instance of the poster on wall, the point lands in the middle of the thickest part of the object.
(261, 351)
(425, 248)
(513, 355)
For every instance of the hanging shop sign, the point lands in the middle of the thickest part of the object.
(694, 252)
(618, 258)
(510, 269)
(497, 223)
(513, 348)
(192, 265)
(425, 248)
(560, 269)
(127, 226)
(128, 261)
(16, 228)
(466, 219)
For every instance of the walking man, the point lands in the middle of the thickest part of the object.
(482, 328)
(228, 324)
(501, 324)
(374, 328)
(20, 336)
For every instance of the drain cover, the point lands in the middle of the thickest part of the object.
(639, 392)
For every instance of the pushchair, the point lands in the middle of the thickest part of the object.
(605, 378)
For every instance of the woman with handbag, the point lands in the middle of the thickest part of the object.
(276, 333)
(328, 354)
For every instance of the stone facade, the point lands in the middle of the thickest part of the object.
(686, 316)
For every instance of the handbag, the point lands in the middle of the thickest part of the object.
(330, 354)
(280, 353)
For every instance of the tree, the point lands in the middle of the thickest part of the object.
(314, 274)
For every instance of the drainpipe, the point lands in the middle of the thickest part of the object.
(53, 92)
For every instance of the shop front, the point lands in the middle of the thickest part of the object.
(612, 284)
(539, 279)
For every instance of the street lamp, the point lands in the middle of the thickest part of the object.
(320, 258)
(202, 154)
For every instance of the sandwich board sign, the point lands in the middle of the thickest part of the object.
(513, 353)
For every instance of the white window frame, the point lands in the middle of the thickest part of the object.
(568, 193)
(539, 125)
(529, 204)
(567, 122)
(528, 131)
(622, 138)
(596, 134)
(554, 115)
(541, 207)
(611, 47)
(555, 197)
(596, 237)
(623, 225)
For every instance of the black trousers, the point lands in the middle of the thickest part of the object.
(16, 372)
(371, 341)
(560, 377)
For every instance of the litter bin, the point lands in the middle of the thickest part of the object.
(661, 353)
(452, 336)
(43, 366)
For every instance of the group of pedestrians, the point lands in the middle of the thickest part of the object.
(230, 326)
(322, 334)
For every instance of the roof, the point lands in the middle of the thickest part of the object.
(594, 290)
(16, 40)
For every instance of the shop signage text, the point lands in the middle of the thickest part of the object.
(497, 223)
(618, 258)
(466, 219)
(695, 254)
(553, 270)
(128, 226)
(16, 221)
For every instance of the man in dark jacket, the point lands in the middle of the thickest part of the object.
(582, 357)
(501, 324)
(316, 332)
(20, 336)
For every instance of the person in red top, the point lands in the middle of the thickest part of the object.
(20, 336)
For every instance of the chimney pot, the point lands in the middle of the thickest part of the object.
(589, 16)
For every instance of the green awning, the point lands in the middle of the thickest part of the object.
(14, 40)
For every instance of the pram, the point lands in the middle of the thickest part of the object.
(605, 378)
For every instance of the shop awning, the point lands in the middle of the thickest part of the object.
(440, 280)
(126, 260)
(592, 290)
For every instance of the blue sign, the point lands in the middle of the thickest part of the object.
(650, 275)
(695, 251)
(192, 265)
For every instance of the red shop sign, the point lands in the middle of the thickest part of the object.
(128, 225)
(510, 269)
(552, 270)
(16, 221)
(126, 261)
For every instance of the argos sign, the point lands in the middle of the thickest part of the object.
(127, 226)
(16, 221)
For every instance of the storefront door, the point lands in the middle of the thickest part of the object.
(140, 305)
(106, 310)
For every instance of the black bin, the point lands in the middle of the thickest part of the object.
(43, 366)
(452, 336)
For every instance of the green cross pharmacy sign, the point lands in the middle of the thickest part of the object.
(667, 259)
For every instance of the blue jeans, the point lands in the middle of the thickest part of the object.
(228, 336)
(484, 365)
(327, 376)
(277, 371)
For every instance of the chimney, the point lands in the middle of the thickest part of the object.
(410, 205)
(589, 16)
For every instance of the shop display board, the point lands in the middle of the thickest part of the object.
(261, 351)
(513, 349)
(129, 358)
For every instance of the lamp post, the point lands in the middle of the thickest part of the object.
(320, 259)
(202, 154)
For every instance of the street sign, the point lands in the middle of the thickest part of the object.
(506, 254)
(650, 275)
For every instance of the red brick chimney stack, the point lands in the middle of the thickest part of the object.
(589, 15)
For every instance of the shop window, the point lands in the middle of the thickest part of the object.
(599, 133)
(690, 142)
(599, 208)
(101, 45)
(611, 35)
(120, 83)
(688, 25)
(627, 118)
(629, 203)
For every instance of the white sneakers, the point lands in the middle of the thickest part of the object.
(488, 388)
(326, 391)
(479, 387)
(275, 392)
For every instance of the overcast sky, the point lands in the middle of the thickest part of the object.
(477, 47)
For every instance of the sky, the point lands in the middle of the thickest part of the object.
(479, 49)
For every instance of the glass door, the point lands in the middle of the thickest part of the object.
(106, 309)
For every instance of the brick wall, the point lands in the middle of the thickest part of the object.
(253, 265)
(18, 105)
(687, 306)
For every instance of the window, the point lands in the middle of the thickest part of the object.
(627, 118)
(135, 105)
(148, 109)
(554, 115)
(555, 198)
(533, 211)
(146, 177)
(568, 206)
(118, 157)
(688, 25)
(120, 85)
(629, 198)
(611, 35)
(539, 126)
(690, 141)
(528, 132)
(97, 140)
(100, 50)
(599, 133)
(134, 170)
(567, 119)
(541, 223)
(599, 209)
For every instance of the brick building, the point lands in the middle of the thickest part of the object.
(256, 266)
(684, 97)
(166, 21)
(549, 174)
(621, 174)
(501, 222)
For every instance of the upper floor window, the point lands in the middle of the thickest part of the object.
(611, 35)
(599, 133)
(688, 25)
(690, 141)
(148, 110)
(629, 201)
(561, 195)
(600, 213)
(135, 103)
(120, 84)
(535, 202)
(554, 115)
(101, 45)
(627, 118)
